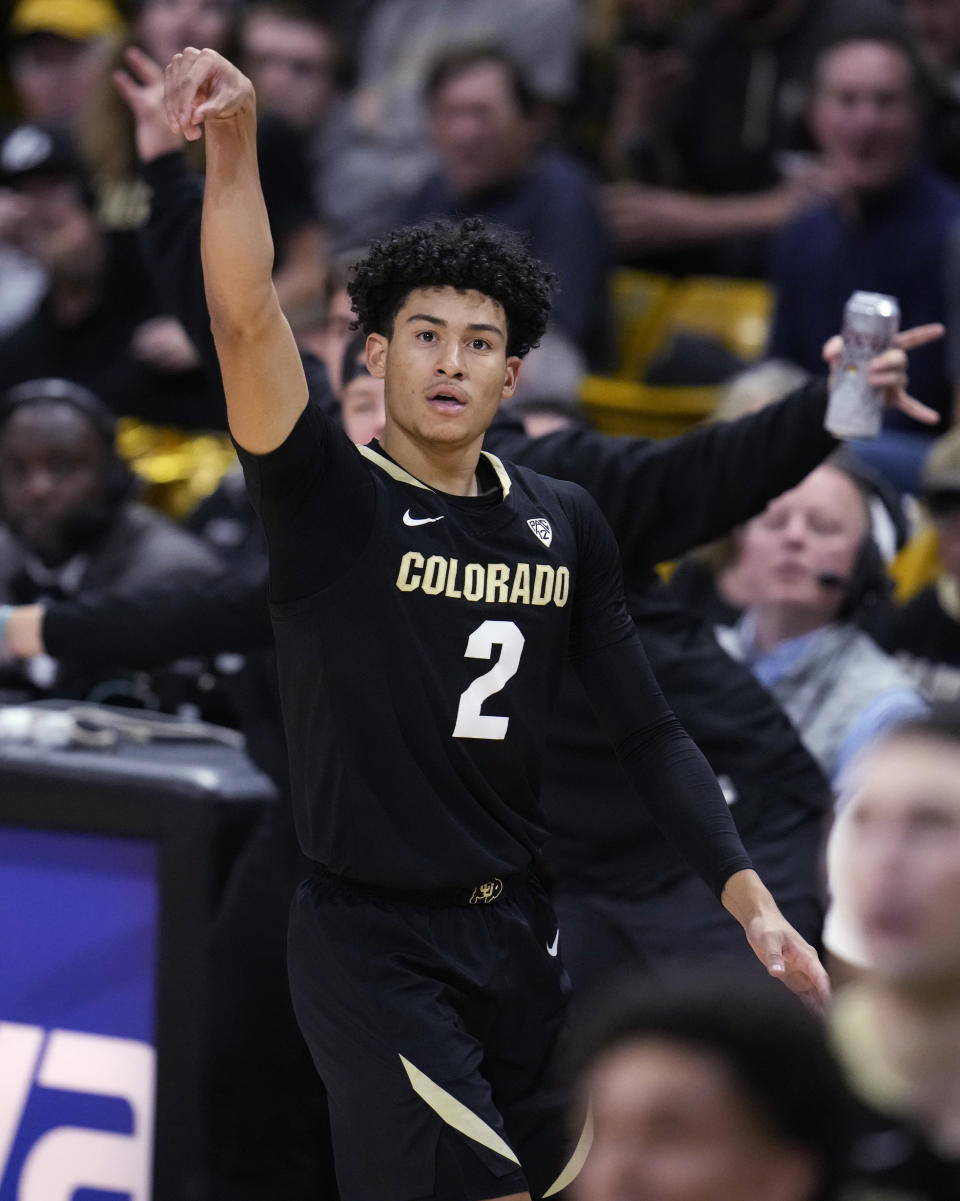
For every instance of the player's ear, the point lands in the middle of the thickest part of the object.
(377, 355)
(510, 377)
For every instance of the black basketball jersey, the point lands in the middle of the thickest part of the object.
(420, 638)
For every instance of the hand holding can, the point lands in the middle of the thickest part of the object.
(870, 324)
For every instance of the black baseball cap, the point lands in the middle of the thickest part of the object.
(31, 150)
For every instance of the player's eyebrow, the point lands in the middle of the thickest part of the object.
(474, 325)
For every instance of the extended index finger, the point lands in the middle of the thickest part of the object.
(919, 335)
(144, 68)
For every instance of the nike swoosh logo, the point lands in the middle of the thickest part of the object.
(408, 520)
(553, 947)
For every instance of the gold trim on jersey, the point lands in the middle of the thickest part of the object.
(395, 471)
(577, 1159)
(455, 1113)
(392, 469)
(499, 468)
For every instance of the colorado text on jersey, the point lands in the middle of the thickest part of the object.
(494, 583)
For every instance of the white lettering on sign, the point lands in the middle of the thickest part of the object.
(68, 1158)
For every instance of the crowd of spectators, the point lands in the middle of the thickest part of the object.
(813, 144)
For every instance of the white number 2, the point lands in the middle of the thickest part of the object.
(471, 723)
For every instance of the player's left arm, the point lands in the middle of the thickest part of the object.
(667, 770)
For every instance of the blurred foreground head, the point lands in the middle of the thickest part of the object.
(710, 1091)
(895, 857)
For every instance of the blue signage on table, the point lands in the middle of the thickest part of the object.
(79, 917)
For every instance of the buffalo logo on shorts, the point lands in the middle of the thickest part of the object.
(484, 893)
(542, 528)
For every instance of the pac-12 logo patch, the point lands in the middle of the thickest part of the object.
(542, 528)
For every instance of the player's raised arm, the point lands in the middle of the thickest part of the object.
(262, 373)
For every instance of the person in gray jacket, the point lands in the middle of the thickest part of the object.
(810, 564)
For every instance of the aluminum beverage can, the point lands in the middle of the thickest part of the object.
(870, 323)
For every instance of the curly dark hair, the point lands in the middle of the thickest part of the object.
(466, 255)
(777, 1053)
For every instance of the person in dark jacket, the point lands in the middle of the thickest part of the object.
(70, 525)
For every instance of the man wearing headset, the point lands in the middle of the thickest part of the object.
(70, 525)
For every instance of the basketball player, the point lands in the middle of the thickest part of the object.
(424, 596)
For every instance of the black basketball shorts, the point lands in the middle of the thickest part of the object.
(438, 1031)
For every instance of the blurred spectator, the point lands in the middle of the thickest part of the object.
(70, 525)
(487, 130)
(22, 277)
(716, 145)
(647, 66)
(362, 408)
(935, 25)
(895, 874)
(707, 1091)
(541, 417)
(98, 306)
(810, 565)
(326, 330)
(383, 153)
(57, 48)
(889, 229)
(291, 54)
(924, 634)
(159, 29)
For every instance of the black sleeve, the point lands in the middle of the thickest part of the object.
(666, 769)
(171, 245)
(662, 498)
(158, 624)
(316, 501)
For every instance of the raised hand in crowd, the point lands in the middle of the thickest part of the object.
(141, 86)
(888, 371)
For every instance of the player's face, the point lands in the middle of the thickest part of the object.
(671, 1124)
(899, 865)
(445, 367)
(865, 116)
(815, 529)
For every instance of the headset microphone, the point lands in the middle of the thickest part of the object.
(830, 579)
